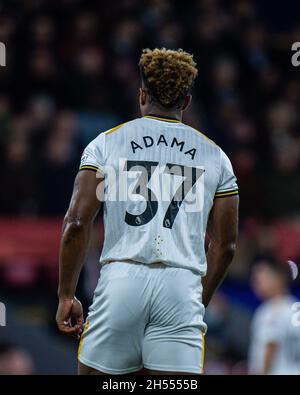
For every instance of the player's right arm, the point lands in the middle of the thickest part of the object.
(77, 226)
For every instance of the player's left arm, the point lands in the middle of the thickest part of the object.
(76, 232)
(222, 230)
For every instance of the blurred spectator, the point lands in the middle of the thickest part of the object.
(275, 340)
(87, 61)
(14, 360)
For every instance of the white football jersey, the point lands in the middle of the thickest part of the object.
(161, 178)
(273, 323)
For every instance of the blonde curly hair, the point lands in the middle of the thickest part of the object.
(167, 74)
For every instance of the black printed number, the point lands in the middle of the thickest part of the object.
(147, 168)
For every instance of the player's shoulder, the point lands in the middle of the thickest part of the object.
(203, 137)
(104, 135)
(214, 149)
(122, 126)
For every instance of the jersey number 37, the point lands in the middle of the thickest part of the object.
(147, 189)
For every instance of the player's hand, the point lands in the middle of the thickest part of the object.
(69, 317)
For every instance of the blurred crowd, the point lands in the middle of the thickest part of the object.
(72, 73)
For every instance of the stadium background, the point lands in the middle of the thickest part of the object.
(71, 73)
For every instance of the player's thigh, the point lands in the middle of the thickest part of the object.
(174, 340)
(84, 370)
(174, 351)
(112, 341)
(149, 372)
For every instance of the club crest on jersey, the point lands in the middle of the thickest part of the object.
(148, 142)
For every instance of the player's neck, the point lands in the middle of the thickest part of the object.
(172, 114)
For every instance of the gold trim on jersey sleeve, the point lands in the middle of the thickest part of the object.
(227, 193)
(89, 167)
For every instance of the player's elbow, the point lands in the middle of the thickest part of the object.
(226, 250)
(229, 250)
(74, 227)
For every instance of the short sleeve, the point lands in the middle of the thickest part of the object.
(227, 183)
(93, 157)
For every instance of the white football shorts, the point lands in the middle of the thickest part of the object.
(145, 316)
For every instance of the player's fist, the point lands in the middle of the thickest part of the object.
(69, 317)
